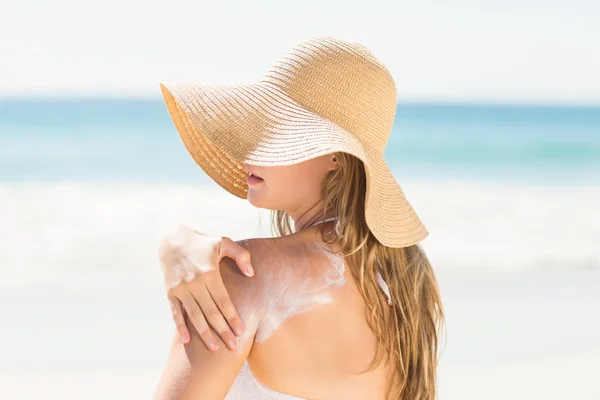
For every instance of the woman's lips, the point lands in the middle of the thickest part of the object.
(254, 180)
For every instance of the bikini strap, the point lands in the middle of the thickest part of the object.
(325, 220)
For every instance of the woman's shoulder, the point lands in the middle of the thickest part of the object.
(291, 276)
(261, 248)
(281, 260)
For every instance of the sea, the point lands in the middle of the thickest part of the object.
(509, 193)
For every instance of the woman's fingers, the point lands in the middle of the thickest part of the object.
(214, 317)
(205, 298)
(240, 255)
(219, 294)
(178, 317)
(197, 318)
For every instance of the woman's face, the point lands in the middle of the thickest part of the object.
(292, 187)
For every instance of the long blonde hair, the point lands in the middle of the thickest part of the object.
(416, 312)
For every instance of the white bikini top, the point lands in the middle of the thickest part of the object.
(246, 387)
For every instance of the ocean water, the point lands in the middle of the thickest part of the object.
(133, 140)
(510, 195)
(87, 186)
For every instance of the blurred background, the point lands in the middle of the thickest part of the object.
(496, 144)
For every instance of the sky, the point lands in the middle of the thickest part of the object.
(540, 51)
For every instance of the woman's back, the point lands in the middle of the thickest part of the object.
(312, 339)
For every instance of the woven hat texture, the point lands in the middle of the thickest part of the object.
(325, 95)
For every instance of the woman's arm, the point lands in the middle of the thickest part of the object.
(195, 372)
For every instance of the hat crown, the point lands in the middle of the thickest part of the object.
(342, 82)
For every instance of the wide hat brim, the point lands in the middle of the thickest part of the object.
(225, 126)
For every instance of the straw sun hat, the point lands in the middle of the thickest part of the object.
(326, 95)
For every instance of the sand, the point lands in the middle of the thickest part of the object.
(533, 335)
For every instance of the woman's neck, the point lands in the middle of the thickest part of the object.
(309, 217)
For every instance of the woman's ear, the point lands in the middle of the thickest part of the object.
(333, 162)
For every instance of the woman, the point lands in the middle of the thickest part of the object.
(343, 306)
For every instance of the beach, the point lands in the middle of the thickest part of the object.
(509, 195)
(91, 320)
(518, 337)
(560, 378)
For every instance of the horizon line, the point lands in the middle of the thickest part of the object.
(431, 101)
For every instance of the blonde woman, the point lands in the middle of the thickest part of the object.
(343, 304)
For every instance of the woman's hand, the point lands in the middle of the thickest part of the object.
(190, 265)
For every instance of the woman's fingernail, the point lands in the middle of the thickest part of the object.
(239, 331)
(232, 344)
(249, 270)
(213, 346)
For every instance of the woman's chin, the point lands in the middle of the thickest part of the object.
(254, 198)
(259, 201)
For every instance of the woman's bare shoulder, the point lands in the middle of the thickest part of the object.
(272, 260)
(274, 252)
(291, 276)
(288, 257)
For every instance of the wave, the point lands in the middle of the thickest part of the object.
(106, 234)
